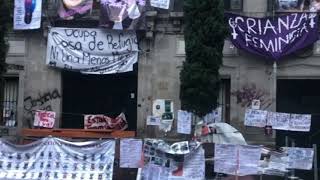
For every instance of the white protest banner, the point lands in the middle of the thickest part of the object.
(279, 121)
(27, 14)
(237, 160)
(44, 119)
(164, 4)
(53, 158)
(184, 122)
(254, 117)
(153, 121)
(300, 122)
(130, 153)
(92, 51)
(300, 158)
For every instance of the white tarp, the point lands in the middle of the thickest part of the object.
(92, 51)
(53, 158)
(224, 134)
(27, 14)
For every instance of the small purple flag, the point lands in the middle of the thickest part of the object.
(273, 37)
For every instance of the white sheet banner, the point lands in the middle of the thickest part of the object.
(27, 14)
(238, 160)
(164, 4)
(92, 51)
(52, 158)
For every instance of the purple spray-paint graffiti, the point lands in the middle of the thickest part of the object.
(249, 92)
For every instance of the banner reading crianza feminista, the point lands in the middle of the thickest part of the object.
(273, 37)
(92, 51)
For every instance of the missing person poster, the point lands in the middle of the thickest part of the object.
(27, 14)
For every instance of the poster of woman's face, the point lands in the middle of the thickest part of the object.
(70, 9)
(297, 5)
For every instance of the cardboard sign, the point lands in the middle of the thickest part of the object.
(105, 122)
(44, 119)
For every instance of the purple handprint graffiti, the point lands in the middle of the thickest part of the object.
(249, 92)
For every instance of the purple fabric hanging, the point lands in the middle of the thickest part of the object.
(273, 37)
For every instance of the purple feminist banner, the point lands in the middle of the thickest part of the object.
(122, 14)
(273, 37)
(71, 9)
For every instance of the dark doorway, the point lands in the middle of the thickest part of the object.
(98, 94)
(301, 96)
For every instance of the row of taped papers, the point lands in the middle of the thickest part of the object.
(188, 166)
(238, 160)
(131, 153)
(184, 122)
(53, 158)
(279, 121)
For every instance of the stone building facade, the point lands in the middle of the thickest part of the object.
(245, 76)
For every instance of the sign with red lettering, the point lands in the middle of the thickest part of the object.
(105, 122)
(44, 119)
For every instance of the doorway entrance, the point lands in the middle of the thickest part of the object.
(300, 96)
(98, 94)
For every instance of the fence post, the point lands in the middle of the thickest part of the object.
(315, 162)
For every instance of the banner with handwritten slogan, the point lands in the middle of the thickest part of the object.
(273, 37)
(92, 51)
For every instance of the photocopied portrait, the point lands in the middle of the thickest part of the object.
(71, 9)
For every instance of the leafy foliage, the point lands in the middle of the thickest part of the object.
(205, 31)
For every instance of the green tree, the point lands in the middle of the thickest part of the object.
(4, 22)
(204, 33)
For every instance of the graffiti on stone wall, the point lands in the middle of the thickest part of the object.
(41, 102)
(249, 92)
